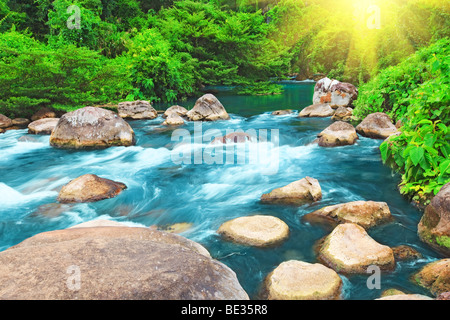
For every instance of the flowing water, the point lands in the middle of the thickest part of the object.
(162, 191)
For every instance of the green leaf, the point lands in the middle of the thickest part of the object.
(444, 167)
(416, 155)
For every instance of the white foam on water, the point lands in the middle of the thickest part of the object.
(9, 151)
(11, 197)
(212, 190)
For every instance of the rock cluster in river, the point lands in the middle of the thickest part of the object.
(114, 263)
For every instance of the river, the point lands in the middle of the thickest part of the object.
(162, 191)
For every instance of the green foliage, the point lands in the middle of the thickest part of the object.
(35, 75)
(167, 50)
(417, 92)
(157, 71)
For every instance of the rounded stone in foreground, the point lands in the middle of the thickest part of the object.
(258, 231)
(114, 263)
(298, 280)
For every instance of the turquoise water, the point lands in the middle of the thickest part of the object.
(163, 192)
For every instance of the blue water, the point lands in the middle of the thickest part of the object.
(162, 191)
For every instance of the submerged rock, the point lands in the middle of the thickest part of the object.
(298, 280)
(335, 93)
(114, 263)
(298, 192)
(281, 112)
(259, 231)
(317, 110)
(43, 126)
(434, 227)
(349, 249)
(377, 126)
(235, 137)
(367, 214)
(91, 127)
(338, 134)
(177, 227)
(136, 110)
(435, 277)
(89, 188)
(403, 252)
(207, 108)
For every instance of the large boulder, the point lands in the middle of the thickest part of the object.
(91, 127)
(136, 110)
(89, 188)
(44, 126)
(335, 93)
(298, 280)
(367, 214)
(349, 249)
(207, 108)
(435, 277)
(5, 122)
(338, 134)
(114, 263)
(302, 191)
(377, 126)
(434, 227)
(258, 231)
(317, 110)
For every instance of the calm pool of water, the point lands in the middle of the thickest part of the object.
(163, 192)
